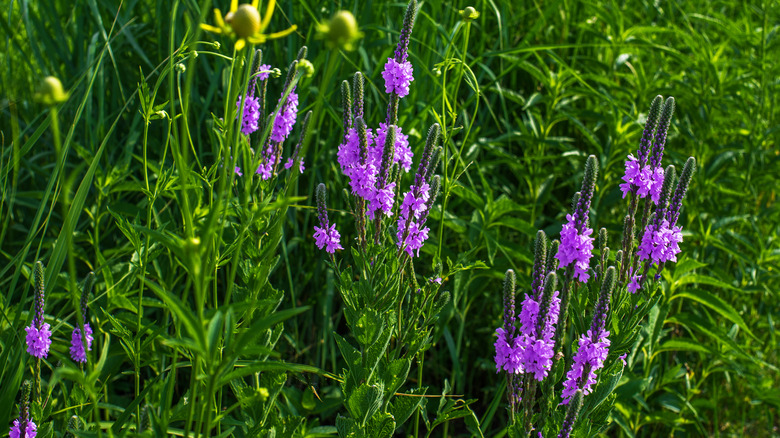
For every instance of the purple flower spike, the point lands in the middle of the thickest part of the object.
(660, 243)
(507, 354)
(39, 332)
(592, 351)
(30, 431)
(283, 123)
(77, 352)
(38, 340)
(576, 247)
(398, 77)
(325, 236)
(251, 113)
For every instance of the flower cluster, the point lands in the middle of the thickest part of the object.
(77, 352)
(576, 247)
(660, 242)
(325, 236)
(642, 180)
(398, 76)
(591, 354)
(360, 158)
(576, 241)
(643, 175)
(38, 340)
(251, 113)
(532, 349)
(30, 431)
(285, 119)
(38, 332)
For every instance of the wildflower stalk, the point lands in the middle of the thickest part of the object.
(571, 415)
(38, 321)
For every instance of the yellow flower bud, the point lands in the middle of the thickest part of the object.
(469, 13)
(245, 21)
(50, 91)
(306, 67)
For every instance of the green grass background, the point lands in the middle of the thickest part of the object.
(553, 82)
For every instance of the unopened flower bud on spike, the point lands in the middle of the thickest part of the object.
(571, 415)
(646, 143)
(306, 68)
(357, 87)
(540, 261)
(679, 193)
(509, 301)
(346, 107)
(552, 262)
(660, 133)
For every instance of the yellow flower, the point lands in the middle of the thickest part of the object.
(244, 23)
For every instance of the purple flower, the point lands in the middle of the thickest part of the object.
(264, 71)
(251, 113)
(436, 280)
(265, 170)
(642, 180)
(634, 285)
(402, 154)
(398, 76)
(237, 170)
(77, 352)
(289, 164)
(592, 351)
(327, 237)
(38, 340)
(536, 355)
(382, 201)
(415, 200)
(575, 248)
(29, 431)
(416, 236)
(622, 358)
(284, 121)
(537, 349)
(660, 243)
(507, 355)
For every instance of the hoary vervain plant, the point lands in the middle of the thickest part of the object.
(537, 400)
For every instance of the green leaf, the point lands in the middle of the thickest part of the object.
(684, 344)
(717, 304)
(364, 402)
(368, 327)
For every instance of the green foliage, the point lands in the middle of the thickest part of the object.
(212, 309)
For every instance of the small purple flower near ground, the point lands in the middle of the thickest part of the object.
(251, 114)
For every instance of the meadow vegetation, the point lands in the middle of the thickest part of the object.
(214, 312)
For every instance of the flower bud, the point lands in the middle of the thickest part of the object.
(245, 21)
(340, 32)
(469, 13)
(50, 91)
(306, 67)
